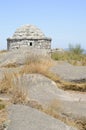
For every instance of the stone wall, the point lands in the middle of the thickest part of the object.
(32, 43)
(28, 36)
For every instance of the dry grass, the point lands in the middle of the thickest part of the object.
(6, 83)
(57, 115)
(35, 104)
(19, 96)
(36, 65)
(72, 86)
(19, 93)
(66, 85)
(3, 113)
(2, 106)
(42, 67)
(10, 65)
(3, 118)
(11, 85)
(73, 58)
(55, 110)
(3, 51)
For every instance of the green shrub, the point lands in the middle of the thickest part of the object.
(76, 49)
(74, 55)
(2, 106)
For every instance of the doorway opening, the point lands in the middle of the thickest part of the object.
(30, 43)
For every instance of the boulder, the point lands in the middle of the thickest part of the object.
(20, 56)
(45, 92)
(26, 118)
(42, 89)
(69, 72)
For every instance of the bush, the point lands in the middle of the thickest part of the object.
(76, 49)
(74, 56)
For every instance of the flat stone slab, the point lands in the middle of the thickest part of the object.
(26, 118)
(69, 72)
(45, 91)
(75, 110)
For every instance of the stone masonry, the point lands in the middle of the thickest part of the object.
(28, 36)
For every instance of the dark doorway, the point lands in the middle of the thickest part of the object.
(30, 43)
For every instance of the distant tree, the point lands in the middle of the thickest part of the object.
(76, 49)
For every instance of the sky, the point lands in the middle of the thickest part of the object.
(62, 20)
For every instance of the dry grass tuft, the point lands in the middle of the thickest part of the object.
(6, 83)
(73, 86)
(37, 65)
(10, 65)
(11, 84)
(2, 106)
(19, 92)
(55, 105)
(35, 104)
(57, 115)
(3, 51)
(3, 118)
(19, 96)
(3, 113)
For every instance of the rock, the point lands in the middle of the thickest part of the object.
(26, 118)
(58, 50)
(69, 72)
(45, 91)
(20, 56)
(42, 89)
(75, 110)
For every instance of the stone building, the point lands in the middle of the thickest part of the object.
(28, 36)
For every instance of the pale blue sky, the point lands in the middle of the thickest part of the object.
(62, 20)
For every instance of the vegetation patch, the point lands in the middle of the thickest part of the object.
(36, 64)
(42, 67)
(52, 110)
(74, 55)
(3, 51)
(10, 65)
(6, 83)
(3, 114)
(2, 106)
(70, 57)
(19, 95)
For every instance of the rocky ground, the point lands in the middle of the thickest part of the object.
(48, 107)
(70, 72)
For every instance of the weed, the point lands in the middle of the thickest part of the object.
(72, 58)
(10, 65)
(6, 83)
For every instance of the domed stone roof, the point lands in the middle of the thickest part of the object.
(28, 32)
